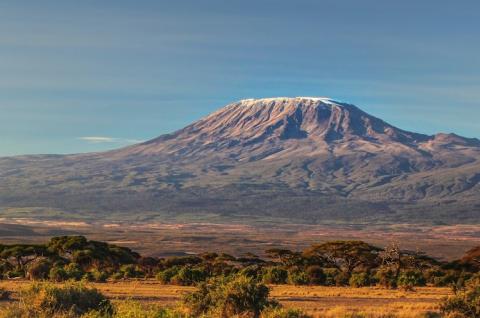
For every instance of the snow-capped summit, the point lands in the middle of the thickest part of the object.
(275, 156)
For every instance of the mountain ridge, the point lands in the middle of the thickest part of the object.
(323, 153)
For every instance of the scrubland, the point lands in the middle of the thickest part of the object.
(317, 301)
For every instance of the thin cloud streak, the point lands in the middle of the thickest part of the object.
(103, 139)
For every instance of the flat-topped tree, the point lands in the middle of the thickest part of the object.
(344, 255)
(284, 256)
(21, 255)
(79, 250)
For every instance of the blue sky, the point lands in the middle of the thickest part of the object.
(126, 71)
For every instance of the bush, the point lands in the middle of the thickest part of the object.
(227, 297)
(166, 276)
(117, 276)
(87, 277)
(57, 274)
(74, 271)
(408, 280)
(99, 276)
(297, 277)
(464, 304)
(359, 280)
(432, 274)
(274, 275)
(386, 278)
(187, 276)
(131, 271)
(39, 269)
(252, 271)
(315, 275)
(342, 279)
(331, 276)
(446, 280)
(72, 300)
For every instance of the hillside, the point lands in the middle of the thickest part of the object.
(307, 159)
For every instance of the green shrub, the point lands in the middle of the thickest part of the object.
(57, 274)
(131, 271)
(188, 276)
(274, 275)
(386, 277)
(359, 280)
(87, 277)
(297, 277)
(71, 300)
(253, 271)
(221, 269)
(74, 271)
(99, 276)
(227, 297)
(166, 276)
(410, 279)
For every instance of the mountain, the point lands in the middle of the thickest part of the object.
(306, 159)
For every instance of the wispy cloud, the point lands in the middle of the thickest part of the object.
(103, 139)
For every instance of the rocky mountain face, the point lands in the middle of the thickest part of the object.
(302, 158)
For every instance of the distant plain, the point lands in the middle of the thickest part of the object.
(446, 242)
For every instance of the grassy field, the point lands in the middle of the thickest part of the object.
(328, 302)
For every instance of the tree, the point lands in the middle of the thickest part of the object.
(284, 256)
(91, 254)
(344, 255)
(21, 255)
(394, 261)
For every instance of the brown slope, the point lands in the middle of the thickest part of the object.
(324, 154)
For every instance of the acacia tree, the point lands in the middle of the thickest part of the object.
(395, 261)
(284, 256)
(20, 256)
(91, 254)
(148, 265)
(344, 255)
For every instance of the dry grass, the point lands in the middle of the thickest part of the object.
(325, 302)
(167, 239)
(370, 302)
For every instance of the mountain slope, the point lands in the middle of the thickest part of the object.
(303, 158)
